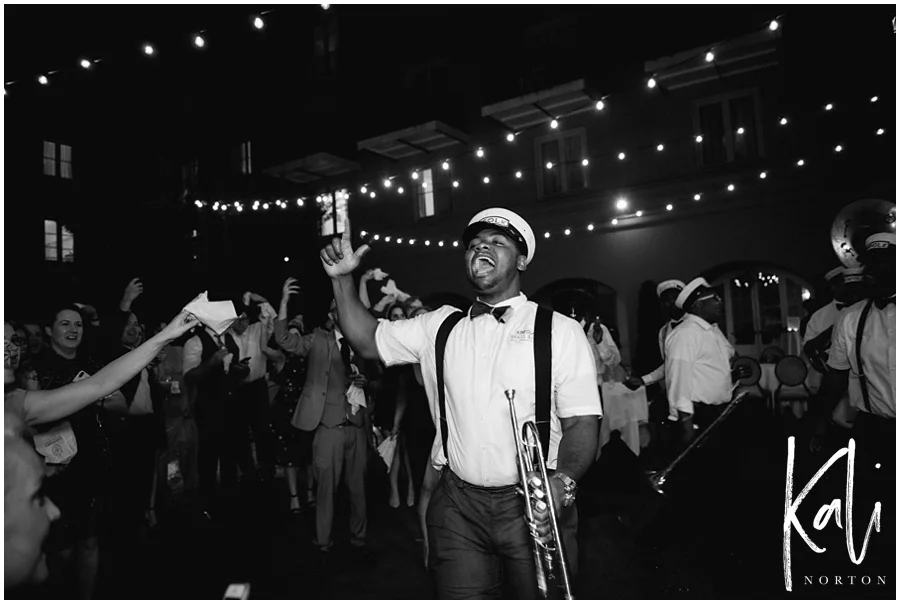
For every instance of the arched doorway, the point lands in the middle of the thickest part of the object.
(582, 298)
(763, 305)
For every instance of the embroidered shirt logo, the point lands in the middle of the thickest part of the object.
(523, 335)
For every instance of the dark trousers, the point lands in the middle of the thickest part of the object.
(480, 547)
(215, 423)
(340, 453)
(252, 401)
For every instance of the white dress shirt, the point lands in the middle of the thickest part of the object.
(698, 366)
(606, 355)
(248, 344)
(879, 355)
(821, 320)
(659, 374)
(483, 358)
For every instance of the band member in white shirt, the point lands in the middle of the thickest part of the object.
(698, 360)
(479, 541)
(667, 292)
(863, 362)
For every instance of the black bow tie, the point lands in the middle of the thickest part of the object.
(480, 308)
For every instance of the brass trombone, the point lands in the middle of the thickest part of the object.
(550, 555)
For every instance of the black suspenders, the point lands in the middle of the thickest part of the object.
(543, 385)
(859, 337)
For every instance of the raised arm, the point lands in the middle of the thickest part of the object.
(357, 324)
(43, 406)
(363, 287)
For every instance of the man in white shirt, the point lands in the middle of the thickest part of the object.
(863, 362)
(667, 292)
(479, 542)
(698, 360)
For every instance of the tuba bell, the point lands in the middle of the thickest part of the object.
(856, 222)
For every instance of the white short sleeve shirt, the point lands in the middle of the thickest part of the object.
(483, 358)
(698, 366)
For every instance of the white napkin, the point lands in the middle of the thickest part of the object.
(379, 275)
(58, 445)
(386, 450)
(218, 316)
(391, 289)
(356, 396)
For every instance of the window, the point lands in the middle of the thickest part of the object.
(564, 153)
(333, 209)
(729, 126)
(246, 159)
(57, 160)
(425, 195)
(59, 242)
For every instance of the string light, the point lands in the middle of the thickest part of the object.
(325, 6)
(879, 132)
(424, 185)
(621, 156)
(399, 239)
(375, 237)
(600, 105)
(669, 207)
(415, 176)
(427, 242)
(299, 202)
(456, 244)
(621, 204)
(412, 241)
(762, 175)
(400, 190)
(568, 232)
(697, 197)
(584, 162)
(362, 233)
(199, 42)
(510, 137)
(286, 259)
(265, 206)
(773, 25)
(388, 238)
(519, 174)
(731, 187)
(480, 152)
(440, 244)
(651, 83)
(487, 179)
(547, 235)
(874, 99)
(591, 226)
(85, 63)
(445, 165)
(554, 124)
(387, 183)
(829, 107)
(372, 194)
(216, 205)
(710, 57)
(639, 213)
(363, 190)
(783, 121)
(660, 147)
(258, 23)
(42, 80)
(455, 184)
(699, 138)
(838, 149)
(615, 221)
(149, 50)
(740, 130)
(549, 165)
(800, 162)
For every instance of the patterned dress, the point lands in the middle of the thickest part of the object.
(290, 443)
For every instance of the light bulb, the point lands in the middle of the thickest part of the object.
(554, 124)
(879, 132)
(325, 6)
(547, 235)
(427, 242)
(387, 183)
(600, 105)
(372, 194)
(660, 147)
(265, 206)
(731, 187)
(400, 190)
(455, 184)
(363, 190)
(697, 197)
(621, 156)
(519, 174)
(800, 162)
(621, 204)
(445, 165)
(773, 25)
(669, 207)
(568, 232)
(412, 241)
(415, 176)
(286, 259)
(43, 80)
(148, 50)
(375, 237)
(510, 137)
(710, 57)
(362, 233)
(838, 149)
(783, 121)
(258, 23)
(829, 107)
(651, 83)
(487, 179)
(216, 206)
(615, 221)
(740, 130)
(639, 213)
(85, 63)
(874, 99)
(762, 175)
(299, 202)
(549, 165)
(591, 227)
(480, 152)
(198, 203)
(388, 238)
(456, 244)
(440, 244)
(699, 138)
(399, 239)
(424, 185)
(584, 162)
(199, 42)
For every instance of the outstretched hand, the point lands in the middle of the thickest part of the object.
(338, 257)
(134, 289)
(179, 326)
(289, 289)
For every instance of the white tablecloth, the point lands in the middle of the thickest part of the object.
(625, 411)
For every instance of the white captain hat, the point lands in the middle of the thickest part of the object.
(670, 284)
(834, 273)
(507, 222)
(881, 241)
(689, 289)
(853, 275)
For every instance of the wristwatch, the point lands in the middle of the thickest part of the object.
(571, 488)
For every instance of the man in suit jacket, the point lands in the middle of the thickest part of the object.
(339, 445)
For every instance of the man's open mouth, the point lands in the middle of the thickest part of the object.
(482, 265)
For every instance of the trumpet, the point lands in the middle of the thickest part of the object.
(658, 480)
(550, 555)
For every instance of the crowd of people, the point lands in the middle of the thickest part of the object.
(105, 414)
